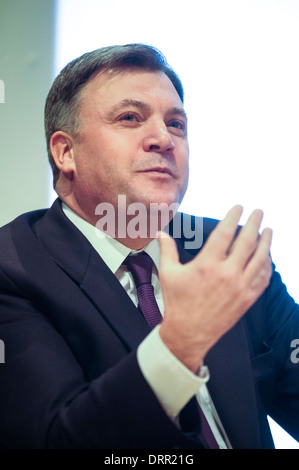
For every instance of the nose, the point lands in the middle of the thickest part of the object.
(158, 138)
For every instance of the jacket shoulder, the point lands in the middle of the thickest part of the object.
(14, 235)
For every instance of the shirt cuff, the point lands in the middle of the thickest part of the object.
(172, 382)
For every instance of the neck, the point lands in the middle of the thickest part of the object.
(132, 231)
(134, 244)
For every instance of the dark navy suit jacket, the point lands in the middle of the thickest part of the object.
(71, 378)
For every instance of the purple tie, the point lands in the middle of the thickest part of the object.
(207, 431)
(141, 266)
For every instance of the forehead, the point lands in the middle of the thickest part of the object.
(109, 88)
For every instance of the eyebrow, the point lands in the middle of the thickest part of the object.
(178, 110)
(126, 104)
(144, 106)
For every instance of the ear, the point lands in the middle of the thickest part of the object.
(61, 145)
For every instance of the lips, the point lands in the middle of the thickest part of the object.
(159, 169)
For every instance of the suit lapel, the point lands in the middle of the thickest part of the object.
(104, 290)
(75, 256)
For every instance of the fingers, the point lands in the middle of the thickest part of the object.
(259, 268)
(248, 251)
(224, 244)
(246, 242)
(221, 238)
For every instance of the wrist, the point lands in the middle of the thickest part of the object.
(189, 355)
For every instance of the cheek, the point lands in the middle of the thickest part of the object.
(91, 157)
(183, 164)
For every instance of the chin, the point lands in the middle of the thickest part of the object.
(165, 197)
(163, 204)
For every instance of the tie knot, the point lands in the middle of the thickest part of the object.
(141, 266)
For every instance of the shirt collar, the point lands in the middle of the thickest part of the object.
(110, 250)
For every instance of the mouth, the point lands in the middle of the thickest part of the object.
(159, 170)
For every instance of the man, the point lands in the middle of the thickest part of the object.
(83, 367)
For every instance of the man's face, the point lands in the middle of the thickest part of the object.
(132, 141)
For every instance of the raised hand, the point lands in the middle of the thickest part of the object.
(207, 296)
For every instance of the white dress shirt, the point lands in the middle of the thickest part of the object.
(173, 383)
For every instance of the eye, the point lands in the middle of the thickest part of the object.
(129, 117)
(178, 126)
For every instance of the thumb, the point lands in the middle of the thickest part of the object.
(168, 250)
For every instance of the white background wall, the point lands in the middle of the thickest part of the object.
(238, 60)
